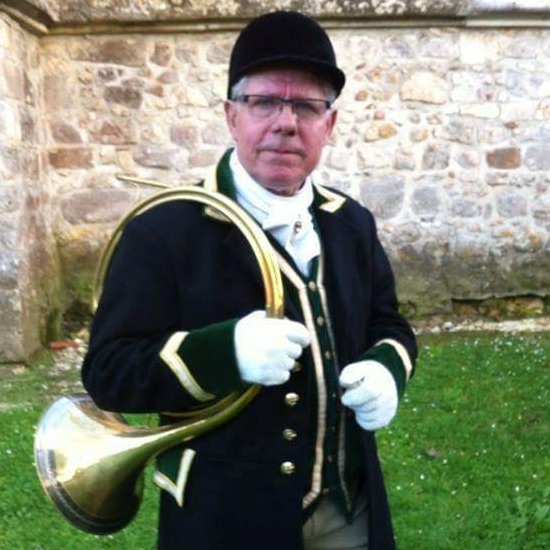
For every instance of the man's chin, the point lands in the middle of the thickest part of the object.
(282, 157)
(283, 185)
(282, 178)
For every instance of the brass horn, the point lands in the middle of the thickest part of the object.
(91, 462)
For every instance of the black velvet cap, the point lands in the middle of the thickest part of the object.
(284, 38)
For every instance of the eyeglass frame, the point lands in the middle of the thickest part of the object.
(281, 102)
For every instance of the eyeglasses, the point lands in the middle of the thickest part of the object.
(266, 106)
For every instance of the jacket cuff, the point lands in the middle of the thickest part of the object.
(395, 358)
(203, 360)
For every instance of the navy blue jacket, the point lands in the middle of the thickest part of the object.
(162, 341)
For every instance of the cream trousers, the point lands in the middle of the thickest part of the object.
(327, 528)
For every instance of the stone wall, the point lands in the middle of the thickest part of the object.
(443, 132)
(27, 271)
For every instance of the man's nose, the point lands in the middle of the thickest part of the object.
(286, 118)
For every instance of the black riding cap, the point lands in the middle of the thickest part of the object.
(282, 38)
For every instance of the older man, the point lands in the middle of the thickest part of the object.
(180, 323)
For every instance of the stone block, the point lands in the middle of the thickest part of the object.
(168, 77)
(425, 201)
(12, 80)
(9, 270)
(116, 51)
(29, 124)
(63, 132)
(215, 133)
(462, 207)
(71, 158)
(404, 160)
(460, 130)
(127, 97)
(384, 196)
(154, 157)
(480, 110)
(436, 156)
(12, 337)
(113, 132)
(203, 158)
(162, 55)
(425, 87)
(56, 97)
(541, 208)
(96, 206)
(10, 162)
(9, 199)
(507, 158)
(511, 205)
(8, 232)
(537, 157)
(108, 74)
(467, 157)
(478, 48)
(420, 281)
(439, 44)
(524, 306)
(9, 128)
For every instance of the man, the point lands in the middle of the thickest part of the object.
(180, 324)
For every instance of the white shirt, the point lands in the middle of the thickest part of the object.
(286, 218)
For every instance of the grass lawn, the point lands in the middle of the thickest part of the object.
(467, 460)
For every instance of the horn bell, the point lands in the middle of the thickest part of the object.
(91, 462)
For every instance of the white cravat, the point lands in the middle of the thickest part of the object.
(286, 218)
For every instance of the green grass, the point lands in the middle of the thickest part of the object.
(467, 460)
(27, 519)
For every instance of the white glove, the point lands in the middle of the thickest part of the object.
(267, 348)
(371, 392)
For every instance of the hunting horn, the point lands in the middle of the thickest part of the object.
(91, 462)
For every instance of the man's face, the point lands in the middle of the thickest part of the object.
(280, 151)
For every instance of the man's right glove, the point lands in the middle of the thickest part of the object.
(267, 348)
(371, 392)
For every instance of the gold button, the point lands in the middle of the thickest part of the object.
(320, 321)
(330, 458)
(328, 355)
(288, 468)
(297, 367)
(312, 286)
(325, 491)
(291, 399)
(289, 434)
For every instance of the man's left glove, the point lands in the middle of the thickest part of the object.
(371, 392)
(266, 349)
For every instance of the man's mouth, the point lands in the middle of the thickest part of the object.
(283, 151)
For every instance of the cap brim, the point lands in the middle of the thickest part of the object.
(325, 70)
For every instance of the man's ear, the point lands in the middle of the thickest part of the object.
(331, 122)
(230, 117)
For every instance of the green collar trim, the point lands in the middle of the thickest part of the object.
(220, 179)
